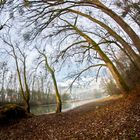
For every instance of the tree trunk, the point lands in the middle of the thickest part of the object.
(116, 75)
(126, 46)
(27, 95)
(27, 105)
(58, 98)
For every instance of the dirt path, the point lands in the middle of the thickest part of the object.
(115, 119)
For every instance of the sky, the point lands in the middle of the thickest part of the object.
(50, 44)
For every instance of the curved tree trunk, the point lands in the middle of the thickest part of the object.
(58, 98)
(134, 37)
(51, 71)
(128, 48)
(116, 75)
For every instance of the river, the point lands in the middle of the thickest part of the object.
(45, 109)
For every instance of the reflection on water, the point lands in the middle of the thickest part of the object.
(38, 110)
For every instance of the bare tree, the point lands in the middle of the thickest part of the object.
(25, 92)
(52, 72)
(54, 11)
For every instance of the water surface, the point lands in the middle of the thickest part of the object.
(44, 109)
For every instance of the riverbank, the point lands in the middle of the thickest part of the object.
(116, 118)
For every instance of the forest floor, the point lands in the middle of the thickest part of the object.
(111, 119)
